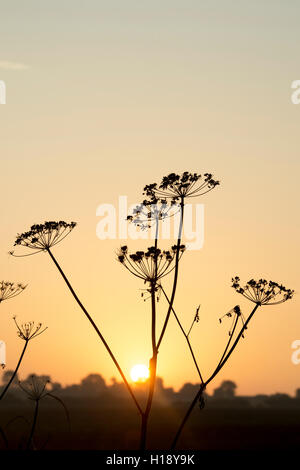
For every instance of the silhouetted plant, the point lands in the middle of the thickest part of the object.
(261, 293)
(43, 237)
(153, 265)
(196, 319)
(177, 187)
(26, 332)
(150, 266)
(151, 211)
(36, 390)
(8, 290)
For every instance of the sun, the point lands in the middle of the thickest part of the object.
(139, 373)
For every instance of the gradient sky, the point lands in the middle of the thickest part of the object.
(105, 97)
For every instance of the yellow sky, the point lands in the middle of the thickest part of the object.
(112, 98)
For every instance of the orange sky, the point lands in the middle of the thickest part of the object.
(112, 98)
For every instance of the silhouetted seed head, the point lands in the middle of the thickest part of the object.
(35, 388)
(150, 265)
(263, 292)
(28, 331)
(41, 237)
(234, 313)
(9, 290)
(177, 187)
(151, 211)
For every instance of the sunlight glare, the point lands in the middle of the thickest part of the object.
(139, 373)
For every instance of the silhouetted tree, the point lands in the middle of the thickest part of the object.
(93, 384)
(226, 390)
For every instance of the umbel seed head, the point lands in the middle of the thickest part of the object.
(151, 211)
(152, 264)
(10, 289)
(177, 187)
(42, 237)
(29, 330)
(263, 292)
(35, 388)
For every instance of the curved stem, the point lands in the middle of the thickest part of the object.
(97, 331)
(33, 425)
(229, 341)
(15, 372)
(217, 370)
(194, 359)
(185, 335)
(175, 276)
(152, 380)
(233, 346)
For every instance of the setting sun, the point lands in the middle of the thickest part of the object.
(139, 373)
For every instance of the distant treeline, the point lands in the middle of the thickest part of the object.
(94, 386)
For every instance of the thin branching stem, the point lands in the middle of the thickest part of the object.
(186, 335)
(217, 370)
(36, 411)
(97, 331)
(153, 366)
(229, 341)
(15, 372)
(175, 275)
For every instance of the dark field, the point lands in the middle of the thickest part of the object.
(96, 426)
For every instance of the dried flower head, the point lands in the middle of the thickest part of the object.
(236, 314)
(9, 290)
(29, 330)
(35, 388)
(42, 237)
(150, 211)
(150, 265)
(177, 187)
(263, 292)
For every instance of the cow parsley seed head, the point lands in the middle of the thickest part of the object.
(35, 388)
(29, 330)
(178, 187)
(263, 292)
(42, 237)
(10, 289)
(150, 265)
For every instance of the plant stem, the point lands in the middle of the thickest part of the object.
(97, 331)
(185, 335)
(217, 370)
(152, 379)
(15, 372)
(33, 425)
(175, 275)
(229, 341)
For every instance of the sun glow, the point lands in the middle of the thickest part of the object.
(139, 373)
